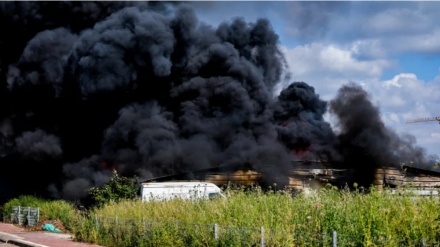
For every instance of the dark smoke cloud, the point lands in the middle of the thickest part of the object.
(363, 134)
(143, 139)
(364, 140)
(257, 44)
(43, 60)
(148, 90)
(109, 56)
(302, 127)
(81, 176)
(38, 145)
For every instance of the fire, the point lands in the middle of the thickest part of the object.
(300, 152)
(107, 166)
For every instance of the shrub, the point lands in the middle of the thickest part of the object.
(24, 201)
(116, 189)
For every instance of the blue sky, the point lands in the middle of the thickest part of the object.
(425, 66)
(392, 49)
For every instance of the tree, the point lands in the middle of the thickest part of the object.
(117, 188)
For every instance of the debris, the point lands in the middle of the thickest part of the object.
(50, 228)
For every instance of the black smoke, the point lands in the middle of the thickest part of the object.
(299, 114)
(365, 142)
(147, 89)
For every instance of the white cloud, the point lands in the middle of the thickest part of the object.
(399, 20)
(368, 48)
(327, 67)
(426, 42)
(379, 29)
(330, 58)
(386, 46)
(405, 91)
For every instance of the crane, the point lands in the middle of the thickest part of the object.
(427, 119)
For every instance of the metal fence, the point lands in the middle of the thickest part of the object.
(26, 216)
(147, 232)
(156, 232)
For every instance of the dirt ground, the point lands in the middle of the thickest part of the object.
(57, 223)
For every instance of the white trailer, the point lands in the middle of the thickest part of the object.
(179, 190)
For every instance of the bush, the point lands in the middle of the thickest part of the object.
(116, 189)
(24, 201)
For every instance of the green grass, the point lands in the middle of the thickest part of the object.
(308, 219)
(360, 219)
(24, 201)
(49, 209)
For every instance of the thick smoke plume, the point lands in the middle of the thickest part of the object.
(364, 141)
(147, 89)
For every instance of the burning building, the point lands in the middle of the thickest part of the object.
(149, 90)
(304, 174)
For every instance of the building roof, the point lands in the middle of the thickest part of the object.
(422, 171)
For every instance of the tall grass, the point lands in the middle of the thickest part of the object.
(360, 219)
(49, 209)
(59, 209)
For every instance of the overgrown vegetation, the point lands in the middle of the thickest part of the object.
(360, 219)
(24, 201)
(49, 209)
(376, 218)
(118, 188)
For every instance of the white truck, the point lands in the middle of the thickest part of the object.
(179, 190)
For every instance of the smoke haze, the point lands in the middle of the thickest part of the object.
(147, 89)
